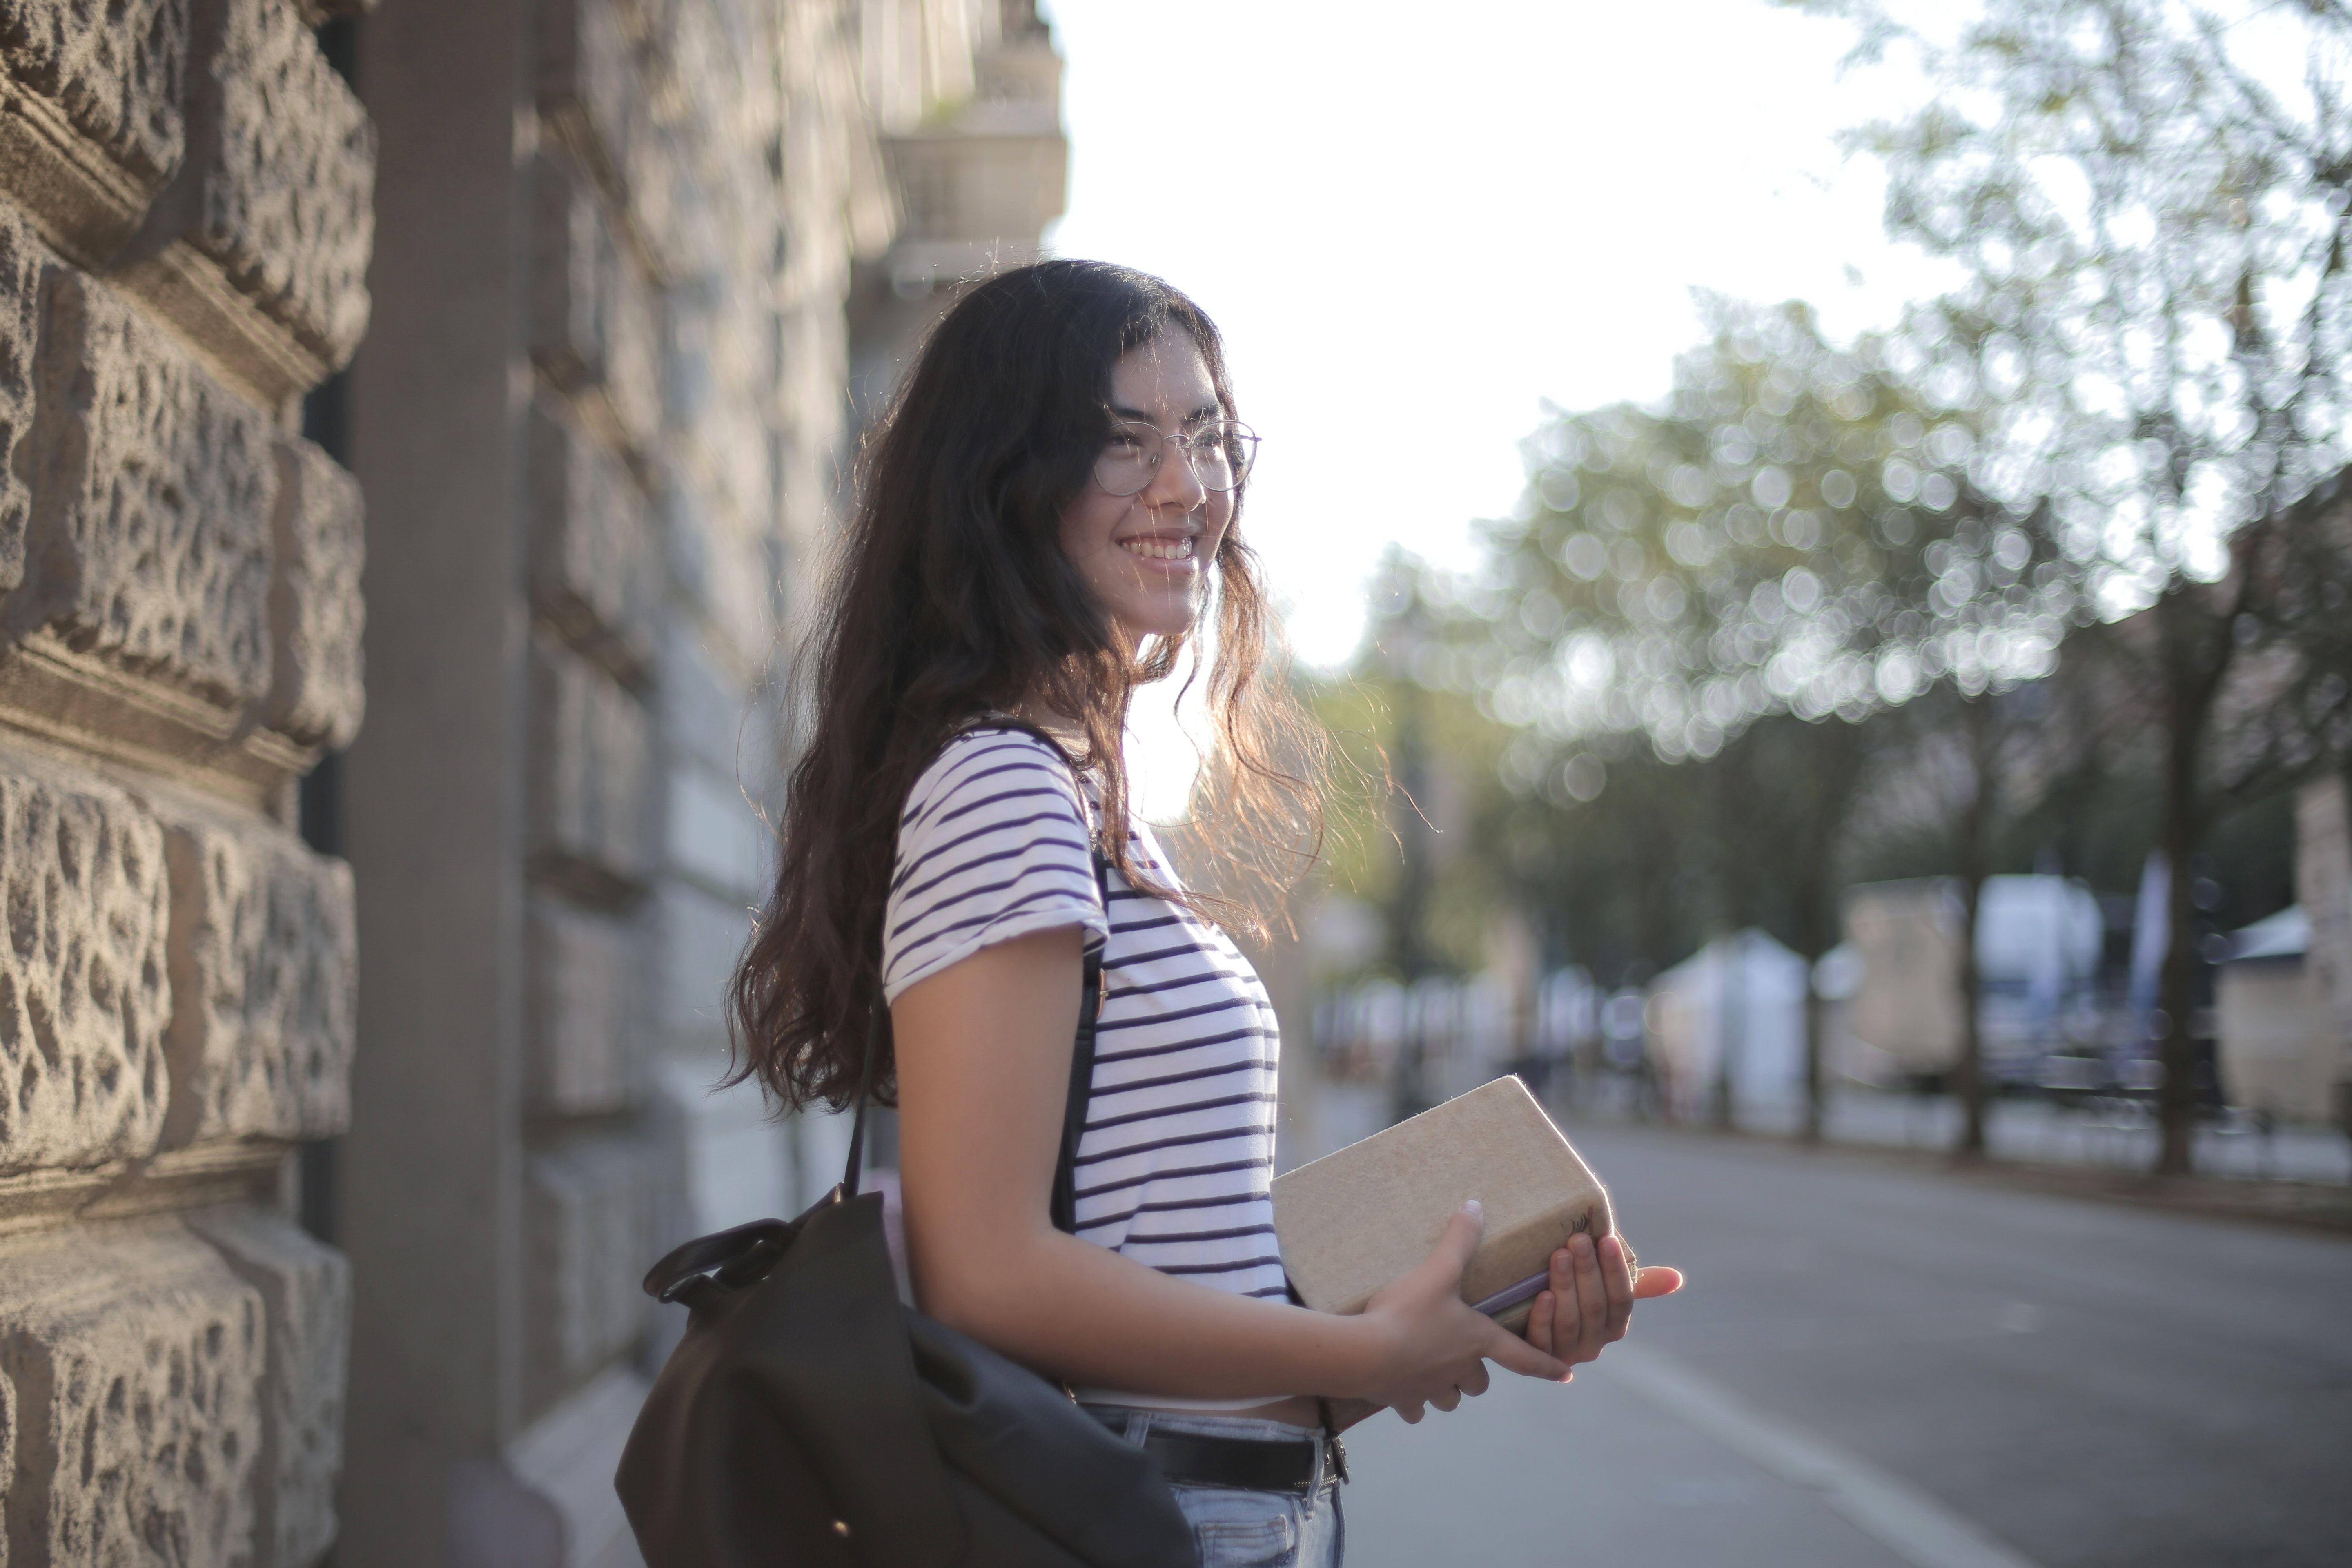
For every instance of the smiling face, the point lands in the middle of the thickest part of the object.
(1146, 557)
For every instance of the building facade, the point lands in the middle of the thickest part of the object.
(355, 1073)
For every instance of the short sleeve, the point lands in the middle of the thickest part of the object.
(993, 845)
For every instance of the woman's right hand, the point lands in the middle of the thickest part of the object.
(1435, 1347)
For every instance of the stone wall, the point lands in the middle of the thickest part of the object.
(601, 422)
(605, 256)
(184, 225)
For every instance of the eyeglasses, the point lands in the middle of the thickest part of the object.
(1220, 453)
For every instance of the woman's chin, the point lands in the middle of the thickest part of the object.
(1161, 620)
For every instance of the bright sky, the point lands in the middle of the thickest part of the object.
(1415, 223)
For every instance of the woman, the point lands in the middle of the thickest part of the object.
(1049, 513)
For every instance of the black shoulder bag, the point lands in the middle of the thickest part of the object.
(809, 1417)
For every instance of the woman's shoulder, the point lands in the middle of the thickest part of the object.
(991, 764)
(994, 845)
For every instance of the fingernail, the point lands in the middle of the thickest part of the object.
(1474, 1209)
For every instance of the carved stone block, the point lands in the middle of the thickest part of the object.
(84, 994)
(740, 589)
(587, 77)
(667, 212)
(595, 569)
(23, 259)
(132, 1362)
(592, 770)
(264, 965)
(708, 709)
(725, 450)
(570, 248)
(595, 324)
(91, 117)
(305, 1291)
(590, 1215)
(702, 936)
(149, 542)
(712, 834)
(316, 613)
(288, 178)
(588, 980)
(632, 375)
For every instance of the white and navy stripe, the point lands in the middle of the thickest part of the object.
(1176, 1162)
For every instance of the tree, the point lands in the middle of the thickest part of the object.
(1794, 532)
(1966, 776)
(1791, 789)
(1415, 760)
(2158, 316)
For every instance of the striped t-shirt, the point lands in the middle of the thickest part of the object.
(1175, 1165)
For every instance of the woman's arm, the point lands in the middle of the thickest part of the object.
(983, 1055)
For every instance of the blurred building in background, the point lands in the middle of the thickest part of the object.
(610, 249)
(2281, 993)
(974, 146)
(1729, 1020)
(2038, 948)
(2323, 884)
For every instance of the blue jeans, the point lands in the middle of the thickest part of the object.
(1238, 1529)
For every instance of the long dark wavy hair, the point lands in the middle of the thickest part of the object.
(951, 600)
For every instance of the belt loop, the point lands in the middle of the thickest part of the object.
(1333, 1451)
(1322, 1459)
(1139, 1426)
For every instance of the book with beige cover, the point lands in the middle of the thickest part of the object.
(1356, 1219)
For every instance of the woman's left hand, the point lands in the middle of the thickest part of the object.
(1589, 1301)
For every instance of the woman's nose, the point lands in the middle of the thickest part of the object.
(1176, 484)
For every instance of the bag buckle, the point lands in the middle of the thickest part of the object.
(727, 1259)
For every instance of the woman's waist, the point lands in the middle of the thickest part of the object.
(1290, 1409)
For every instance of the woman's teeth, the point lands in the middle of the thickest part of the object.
(1161, 550)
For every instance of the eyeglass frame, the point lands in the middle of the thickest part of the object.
(1190, 445)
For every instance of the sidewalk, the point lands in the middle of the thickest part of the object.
(2108, 1134)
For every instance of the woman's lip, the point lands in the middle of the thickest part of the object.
(1187, 567)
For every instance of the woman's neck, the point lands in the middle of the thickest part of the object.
(1058, 725)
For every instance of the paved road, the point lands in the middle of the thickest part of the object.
(1876, 1366)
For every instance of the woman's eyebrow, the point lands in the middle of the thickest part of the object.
(1206, 411)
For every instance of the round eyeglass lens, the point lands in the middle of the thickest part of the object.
(1220, 455)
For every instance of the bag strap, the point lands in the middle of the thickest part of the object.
(1064, 1203)
(856, 1166)
(1064, 1206)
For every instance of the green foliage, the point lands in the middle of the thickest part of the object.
(1373, 818)
(2150, 204)
(1796, 529)
(2152, 216)
(1624, 885)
